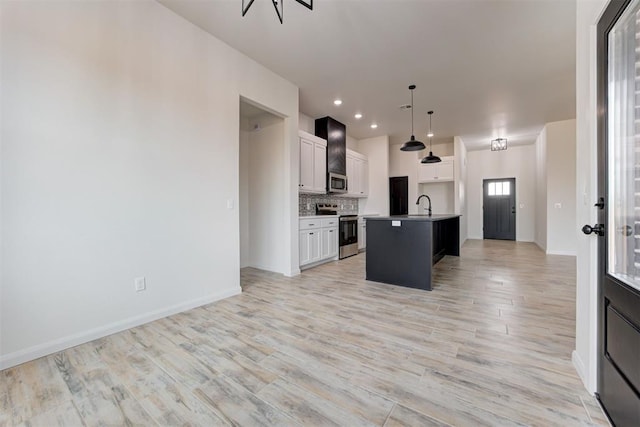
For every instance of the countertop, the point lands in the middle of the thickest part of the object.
(318, 216)
(419, 217)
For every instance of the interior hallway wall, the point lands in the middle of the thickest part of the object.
(406, 163)
(460, 196)
(120, 156)
(377, 152)
(515, 162)
(585, 356)
(541, 190)
(562, 229)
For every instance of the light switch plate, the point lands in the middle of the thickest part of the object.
(140, 284)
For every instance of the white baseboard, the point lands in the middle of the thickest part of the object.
(579, 365)
(45, 349)
(567, 253)
(293, 273)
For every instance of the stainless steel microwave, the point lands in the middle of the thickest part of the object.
(336, 183)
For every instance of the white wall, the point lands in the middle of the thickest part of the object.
(460, 189)
(377, 151)
(541, 190)
(442, 195)
(561, 187)
(585, 356)
(405, 163)
(306, 123)
(516, 162)
(266, 154)
(244, 202)
(120, 151)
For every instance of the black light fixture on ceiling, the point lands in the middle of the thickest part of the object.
(278, 4)
(430, 158)
(412, 144)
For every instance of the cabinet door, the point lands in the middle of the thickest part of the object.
(305, 253)
(310, 246)
(444, 171)
(315, 245)
(363, 174)
(332, 240)
(328, 235)
(426, 172)
(352, 178)
(319, 168)
(306, 165)
(362, 235)
(431, 172)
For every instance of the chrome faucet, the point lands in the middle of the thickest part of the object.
(428, 198)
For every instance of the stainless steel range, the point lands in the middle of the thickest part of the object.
(347, 229)
(348, 232)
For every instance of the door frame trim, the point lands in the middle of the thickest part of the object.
(608, 19)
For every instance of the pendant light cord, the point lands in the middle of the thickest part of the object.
(412, 113)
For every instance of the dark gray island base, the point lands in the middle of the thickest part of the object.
(402, 249)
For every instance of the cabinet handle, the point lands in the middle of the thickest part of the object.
(310, 234)
(330, 231)
(311, 225)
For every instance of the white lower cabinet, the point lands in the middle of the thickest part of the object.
(329, 242)
(310, 246)
(362, 234)
(318, 240)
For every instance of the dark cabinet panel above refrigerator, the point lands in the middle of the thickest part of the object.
(336, 135)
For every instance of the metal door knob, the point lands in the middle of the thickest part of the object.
(597, 229)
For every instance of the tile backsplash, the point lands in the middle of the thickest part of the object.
(307, 204)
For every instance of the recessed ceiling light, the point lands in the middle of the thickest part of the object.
(358, 116)
(338, 102)
(374, 126)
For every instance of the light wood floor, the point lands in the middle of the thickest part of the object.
(490, 345)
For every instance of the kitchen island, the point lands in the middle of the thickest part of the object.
(401, 250)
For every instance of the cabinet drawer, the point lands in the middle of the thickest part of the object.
(308, 224)
(329, 222)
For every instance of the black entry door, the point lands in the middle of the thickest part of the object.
(399, 195)
(499, 209)
(618, 227)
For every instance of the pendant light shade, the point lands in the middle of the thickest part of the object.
(430, 158)
(412, 144)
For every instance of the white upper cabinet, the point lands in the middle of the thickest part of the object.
(313, 164)
(436, 172)
(357, 174)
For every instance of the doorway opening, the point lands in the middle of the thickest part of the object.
(261, 189)
(399, 195)
(499, 208)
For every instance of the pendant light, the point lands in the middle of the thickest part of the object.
(412, 144)
(430, 158)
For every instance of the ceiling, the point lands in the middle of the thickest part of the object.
(486, 68)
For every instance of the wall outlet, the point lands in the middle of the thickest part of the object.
(308, 206)
(558, 206)
(230, 204)
(140, 284)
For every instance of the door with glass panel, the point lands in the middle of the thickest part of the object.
(618, 207)
(499, 209)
